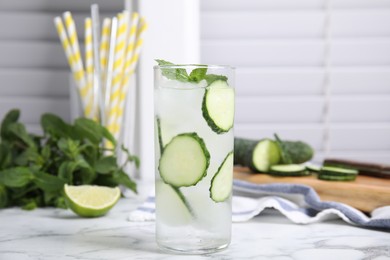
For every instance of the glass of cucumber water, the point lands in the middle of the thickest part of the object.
(194, 116)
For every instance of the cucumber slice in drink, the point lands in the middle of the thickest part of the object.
(174, 210)
(184, 161)
(222, 182)
(289, 170)
(218, 106)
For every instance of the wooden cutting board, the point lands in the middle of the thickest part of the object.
(365, 193)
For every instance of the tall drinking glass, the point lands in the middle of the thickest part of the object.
(194, 115)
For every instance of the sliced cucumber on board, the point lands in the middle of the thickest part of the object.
(257, 155)
(218, 106)
(222, 182)
(336, 178)
(289, 170)
(313, 168)
(337, 174)
(184, 161)
(338, 171)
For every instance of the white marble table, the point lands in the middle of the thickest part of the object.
(59, 234)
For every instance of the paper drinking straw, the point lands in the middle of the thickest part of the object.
(90, 109)
(66, 46)
(118, 72)
(97, 86)
(69, 54)
(104, 44)
(131, 42)
(127, 70)
(128, 74)
(72, 33)
(110, 65)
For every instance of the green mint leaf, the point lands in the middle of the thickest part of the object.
(30, 205)
(210, 78)
(90, 153)
(60, 203)
(48, 182)
(19, 131)
(49, 197)
(130, 157)
(197, 75)
(30, 155)
(106, 165)
(5, 156)
(173, 73)
(19, 193)
(11, 117)
(106, 180)
(88, 129)
(122, 178)
(16, 177)
(66, 171)
(56, 127)
(108, 135)
(85, 174)
(3, 196)
(46, 152)
(69, 147)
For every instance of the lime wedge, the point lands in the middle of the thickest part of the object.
(91, 201)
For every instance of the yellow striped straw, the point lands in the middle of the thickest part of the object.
(130, 68)
(105, 43)
(90, 110)
(66, 46)
(127, 69)
(79, 71)
(69, 53)
(118, 71)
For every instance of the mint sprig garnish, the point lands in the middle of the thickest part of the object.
(195, 76)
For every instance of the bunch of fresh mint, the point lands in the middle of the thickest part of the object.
(34, 169)
(181, 74)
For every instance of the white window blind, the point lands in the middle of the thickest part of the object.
(34, 73)
(314, 70)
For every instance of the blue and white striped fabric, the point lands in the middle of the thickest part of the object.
(299, 203)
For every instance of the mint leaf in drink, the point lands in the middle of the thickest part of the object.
(173, 73)
(197, 75)
(210, 78)
(16, 177)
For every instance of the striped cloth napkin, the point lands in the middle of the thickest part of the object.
(299, 203)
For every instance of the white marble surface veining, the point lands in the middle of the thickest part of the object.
(59, 234)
